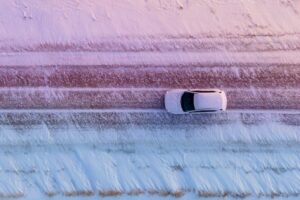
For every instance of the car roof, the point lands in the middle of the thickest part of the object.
(211, 100)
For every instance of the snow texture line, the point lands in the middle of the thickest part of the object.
(164, 43)
(235, 76)
(48, 98)
(142, 58)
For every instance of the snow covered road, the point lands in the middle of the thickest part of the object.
(78, 98)
(134, 80)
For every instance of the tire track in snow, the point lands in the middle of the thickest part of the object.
(116, 118)
(97, 98)
(266, 76)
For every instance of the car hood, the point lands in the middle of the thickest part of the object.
(172, 101)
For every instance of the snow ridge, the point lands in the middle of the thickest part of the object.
(231, 160)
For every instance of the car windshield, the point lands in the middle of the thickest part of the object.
(187, 102)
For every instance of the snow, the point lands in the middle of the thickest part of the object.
(51, 22)
(233, 159)
(120, 25)
(116, 55)
(147, 58)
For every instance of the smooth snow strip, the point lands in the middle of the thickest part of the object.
(62, 98)
(147, 58)
(125, 110)
(93, 89)
(128, 110)
(136, 89)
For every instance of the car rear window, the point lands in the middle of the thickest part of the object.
(187, 102)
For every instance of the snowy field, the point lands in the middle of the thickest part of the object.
(149, 154)
(81, 99)
(128, 155)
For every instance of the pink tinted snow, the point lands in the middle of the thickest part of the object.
(44, 24)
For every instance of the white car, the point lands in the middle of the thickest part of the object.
(181, 101)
